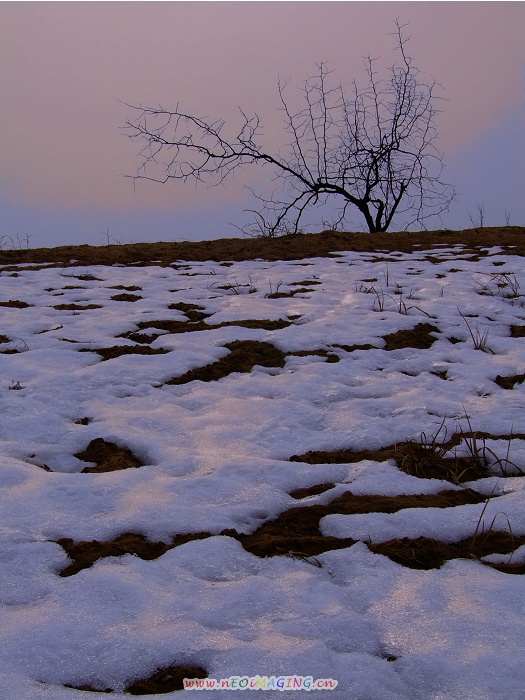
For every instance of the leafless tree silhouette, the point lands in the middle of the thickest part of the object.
(479, 220)
(372, 149)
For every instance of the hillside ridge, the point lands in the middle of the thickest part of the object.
(292, 247)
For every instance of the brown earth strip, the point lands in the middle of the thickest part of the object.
(352, 348)
(108, 457)
(330, 356)
(508, 568)
(174, 327)
(291, 293)
(119, 350)
(294, 531)
(125, 297)
(133, 288)
(85, 554)
(87, 687)
(311, 490)
(87, 277)
(517, 331)
(425, 461)
(169, 326)
(76, 307)
(292, 247)
(305, 283)
(428, 553)
(15, 304)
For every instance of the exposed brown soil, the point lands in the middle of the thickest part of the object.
(4, 339)
(330, 356)
(244, 354)
(424, 461)
(119, 350)
(15, 304)
(517, 331)
(304, 283)
(108, 457)
(193, 312)
(136, 337)
(132, 288)
(76, 307)
(126, 297)
(169, 326)
(196, 323)
(509, 568)
(164, 680)
(86, 278)
(311, 490)
(427, 553)
(291, 293)
(418, 337)
(85, 554)
(88, 688)
(295, 531)
(293, 247)
(352, 348)
(509, 382)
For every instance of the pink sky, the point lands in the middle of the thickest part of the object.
(65, 67)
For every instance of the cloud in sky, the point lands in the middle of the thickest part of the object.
(66, 67)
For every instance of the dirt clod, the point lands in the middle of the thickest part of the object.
(509, 382)
(126, 297)
(418, 337)
(517, 331)
(108, 457)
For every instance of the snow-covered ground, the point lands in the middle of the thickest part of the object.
(216, 456)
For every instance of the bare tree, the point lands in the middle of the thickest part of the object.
(372, 149)
(478, 221)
